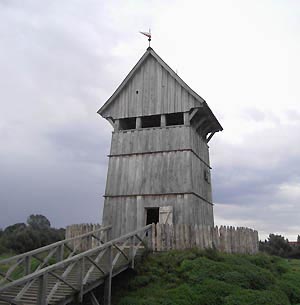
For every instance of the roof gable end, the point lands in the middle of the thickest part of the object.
(187, 95)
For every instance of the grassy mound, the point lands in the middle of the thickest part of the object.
(210, 278)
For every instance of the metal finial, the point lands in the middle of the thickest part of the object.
(148, 34)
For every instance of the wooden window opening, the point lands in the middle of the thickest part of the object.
(127, 124)
(173, 119)
(150, 121)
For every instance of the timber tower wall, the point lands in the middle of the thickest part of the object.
(159, 169)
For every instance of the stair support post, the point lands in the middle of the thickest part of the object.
(42, 290)
(107, 282)
(131, 253)
(81, 277)
(60, 253)
(27, 265)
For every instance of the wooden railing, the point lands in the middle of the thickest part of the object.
(32, 261)
(75, 276)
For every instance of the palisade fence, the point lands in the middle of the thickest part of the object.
(88, 242)
(225, 239)
(164, 237)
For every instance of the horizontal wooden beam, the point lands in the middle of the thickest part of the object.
(159, 152)
(160, 194)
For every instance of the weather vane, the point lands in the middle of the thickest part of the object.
(148, 34)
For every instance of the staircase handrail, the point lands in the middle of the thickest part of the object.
(73, 259)
(21, 265)
(53, 245)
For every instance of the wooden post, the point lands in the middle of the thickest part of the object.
(186, 118)
(158, 237)
(138, 123)
(153, 237)
(42, 290)
(60, 253)
(163, 120)
(117, 125)
(131, 253)
(81, 277)
(27, 265)
(107, 282)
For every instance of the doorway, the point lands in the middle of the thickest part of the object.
(152, 215)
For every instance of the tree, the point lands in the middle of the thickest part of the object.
(13, 228)
(276, 245)
(20, 237)
(38, 222)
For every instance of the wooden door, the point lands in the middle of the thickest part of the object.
(166, 215)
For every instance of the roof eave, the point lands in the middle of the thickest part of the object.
(211, 114)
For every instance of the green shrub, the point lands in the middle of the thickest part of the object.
(210, 278)
(213, 292)
(255, 297)
(291, 289)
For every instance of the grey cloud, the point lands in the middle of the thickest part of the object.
(55, 74)
(253, 170)
(60, 61)
(257, 183)
(254, 114)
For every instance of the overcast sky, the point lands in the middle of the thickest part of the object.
(60, 60)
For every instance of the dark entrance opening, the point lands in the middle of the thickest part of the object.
(152, 215)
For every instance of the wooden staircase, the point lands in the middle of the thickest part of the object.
(64, 275)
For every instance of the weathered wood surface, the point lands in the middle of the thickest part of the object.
(128, 213)
(144, 171)
(159, 139)
(225, 239)
(70, 279)
(91, 241)
(149, 174)
(158, 92)
(21, 264)
(158, 166)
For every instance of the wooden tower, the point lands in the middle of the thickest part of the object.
(159, 168)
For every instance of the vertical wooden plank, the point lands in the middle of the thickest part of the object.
(158, 237)
(187, 236)
(159, 88)
(177, 97)
(163, 241)
(167, 230)
(180, 237)
(192, 236)
(172, 239)
(222, 239)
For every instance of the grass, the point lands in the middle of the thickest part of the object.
(210, 278)
(19, 271)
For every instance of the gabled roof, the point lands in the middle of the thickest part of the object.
(151, 52)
